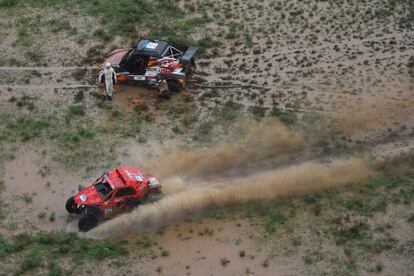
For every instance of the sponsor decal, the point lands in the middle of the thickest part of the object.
(108, 210)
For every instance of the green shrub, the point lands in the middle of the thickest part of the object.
(258, 111)
(8, 3)
(411, 66)
(28, 128)
(204, 131)
(188, 120)
(76, 110)
(228, 113)
(33, 259)
(273, 220)
(286, 117)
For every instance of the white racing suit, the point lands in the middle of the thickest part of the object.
(109, 79)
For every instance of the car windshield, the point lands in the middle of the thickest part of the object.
(103, 187)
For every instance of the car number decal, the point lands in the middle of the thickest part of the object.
(151, 45)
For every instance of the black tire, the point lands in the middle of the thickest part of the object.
(191, 68)
(174, 86)
(132, 204)
(87, 222)
(71, 206)
(154, 197)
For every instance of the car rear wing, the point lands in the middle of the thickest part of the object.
(187, 58)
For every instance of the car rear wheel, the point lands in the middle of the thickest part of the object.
(71, 206)
(87, 222)
(131, 205)
(156, 196)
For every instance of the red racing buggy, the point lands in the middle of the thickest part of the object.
(115, 192)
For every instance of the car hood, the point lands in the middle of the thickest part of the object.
(115, 57)
(88, 196)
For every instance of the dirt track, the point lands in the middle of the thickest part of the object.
(344, 65)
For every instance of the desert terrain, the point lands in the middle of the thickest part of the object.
(289, 152)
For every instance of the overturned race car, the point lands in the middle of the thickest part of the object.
(152, 62)
(115, 192)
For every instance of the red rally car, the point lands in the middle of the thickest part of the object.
(115, 192)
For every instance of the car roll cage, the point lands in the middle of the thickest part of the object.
(172, 52)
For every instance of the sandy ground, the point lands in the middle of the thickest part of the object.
(360, 79)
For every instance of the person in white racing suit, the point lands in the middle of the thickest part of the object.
(108, 76)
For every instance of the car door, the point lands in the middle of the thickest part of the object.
(120, 198)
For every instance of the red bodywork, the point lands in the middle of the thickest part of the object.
(116, 56)
(111, 191)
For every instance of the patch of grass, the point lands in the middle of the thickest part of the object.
(27, 128)
(165, 253)
(318, 129)
(46, 249)
(189, 120)
(8, 3)
(313, 257)
(224, 261)
(204, 132)
(377, 245)
(207, 42)
(27, 198)
(177, 129)
(160, 231)
(55, 270)
(142, 139)
(228, 113)
(286, 117)
(273, 220)
(75, 135)
(35, 55)
(76, 110)
(411, 66)
(79, 96)
(52, 217)
(207, 231)
(258, 111)
(33, 259)
(358, 231)
(269, 213)
(41, 215)
(124, 18)
(144, 241)
(59, 25)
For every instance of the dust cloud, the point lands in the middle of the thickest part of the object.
(258, 142)
(183, 175)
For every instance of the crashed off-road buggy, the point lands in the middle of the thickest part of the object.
(153, 63)
(115, 192)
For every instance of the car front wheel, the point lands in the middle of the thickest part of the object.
(87, 222)
(174, 86)
(71, 206)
